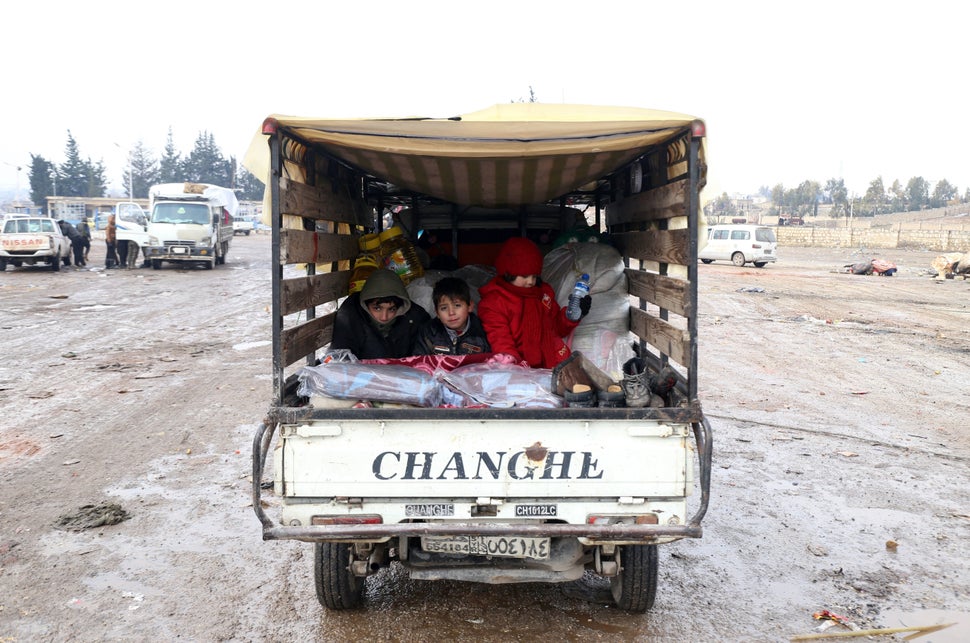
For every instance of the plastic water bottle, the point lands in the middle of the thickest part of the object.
(580, 290)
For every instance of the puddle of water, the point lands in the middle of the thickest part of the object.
(957, 633)
(247, 345)
(95, 308)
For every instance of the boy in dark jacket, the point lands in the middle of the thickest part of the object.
(456, 330)
(379, 322)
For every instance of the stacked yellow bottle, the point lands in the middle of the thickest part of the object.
(399, 255)
(366, 262)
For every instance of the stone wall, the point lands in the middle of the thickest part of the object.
(898, 235)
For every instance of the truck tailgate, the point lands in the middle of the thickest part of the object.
(503, 459)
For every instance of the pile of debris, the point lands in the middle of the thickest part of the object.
(879, 267)
(948, 266)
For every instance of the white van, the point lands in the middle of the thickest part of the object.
(740, 244)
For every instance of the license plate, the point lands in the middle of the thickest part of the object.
(529, 511)
(767, 252)
(179, 250)
(500, 546)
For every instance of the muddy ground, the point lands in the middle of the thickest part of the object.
(839, 403)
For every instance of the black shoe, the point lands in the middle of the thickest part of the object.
(581, 399)
(613, 397)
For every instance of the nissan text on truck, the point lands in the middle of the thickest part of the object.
(485, 493)
(189, 223)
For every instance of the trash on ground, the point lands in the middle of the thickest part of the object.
(91, 516)
(871, 267)
(951, 264)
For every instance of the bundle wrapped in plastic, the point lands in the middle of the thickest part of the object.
(376, 382)
(602, 335)
(499, 385)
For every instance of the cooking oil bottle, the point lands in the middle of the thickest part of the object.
(366, 262)
(399, 255)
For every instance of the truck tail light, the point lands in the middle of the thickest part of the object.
(366, 519)
(756, 245)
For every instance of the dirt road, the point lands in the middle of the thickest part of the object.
(839, 405)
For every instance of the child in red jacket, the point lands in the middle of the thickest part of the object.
(519, 312)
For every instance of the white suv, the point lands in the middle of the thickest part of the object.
(740, 244)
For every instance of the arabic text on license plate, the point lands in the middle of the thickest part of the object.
(179, 250)
(501, 546)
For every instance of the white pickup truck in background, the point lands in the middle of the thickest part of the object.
(243, 225)
(32, 240)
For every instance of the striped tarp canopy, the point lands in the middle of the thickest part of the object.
(506, 155)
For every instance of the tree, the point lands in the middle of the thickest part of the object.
(723, 206)
(805, 197)
(875, 200)
(144, 171)
(249, 187)
(897, 197)
(43, 179)
(170, 165)
(917, 193)
(205, 164)
(94, 181)
(73, 172)
(778, 198)
(839, 197)
(943, 193)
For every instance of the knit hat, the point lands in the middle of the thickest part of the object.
(519, 256)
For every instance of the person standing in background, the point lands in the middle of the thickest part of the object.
(85, 231)
(77, 241)
(110, 239)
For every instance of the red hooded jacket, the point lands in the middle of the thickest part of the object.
(525, 322)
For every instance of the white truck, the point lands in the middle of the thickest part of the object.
(495, 493)
(189, 223)
(29, 240)
(243, 224)
(131, 227)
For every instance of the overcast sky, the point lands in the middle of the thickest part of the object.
(790, 91)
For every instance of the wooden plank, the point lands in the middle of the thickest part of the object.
(306, 246)
(665, 246)
(300, 341)
(321, 203)
(660, 290)
(300, 293)
(665, 202)
(669, 340)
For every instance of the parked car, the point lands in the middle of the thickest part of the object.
(31, 240)
(740, 244)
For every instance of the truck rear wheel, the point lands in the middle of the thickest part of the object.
(337, 587)
(737, 259)
(634, 588)
(56, 264)
(3, 265)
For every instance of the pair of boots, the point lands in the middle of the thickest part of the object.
(643, 389)
(583, 396)
(584, 385)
